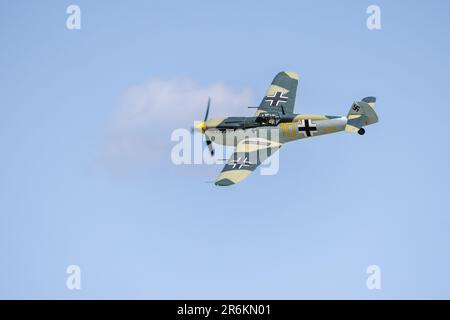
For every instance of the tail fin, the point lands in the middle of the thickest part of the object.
(361, 114)
(371, 101)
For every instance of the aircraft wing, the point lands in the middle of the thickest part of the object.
(247, 156)
(281, 94)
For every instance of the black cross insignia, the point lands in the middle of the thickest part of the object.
(307, 127)
(241, 162)
(276, 98)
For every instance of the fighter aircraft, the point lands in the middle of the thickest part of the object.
(274, 124)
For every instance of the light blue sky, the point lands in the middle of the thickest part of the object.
(338, 204)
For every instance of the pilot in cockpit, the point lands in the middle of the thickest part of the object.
(268, 119)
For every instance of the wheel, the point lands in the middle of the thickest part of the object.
(361, 131)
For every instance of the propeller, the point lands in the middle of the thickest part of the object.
(202, 127)
(207, 109)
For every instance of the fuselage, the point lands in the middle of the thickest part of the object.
(286, 128)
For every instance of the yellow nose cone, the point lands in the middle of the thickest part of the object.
(201, 126)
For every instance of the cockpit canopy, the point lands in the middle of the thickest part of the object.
(268, 119)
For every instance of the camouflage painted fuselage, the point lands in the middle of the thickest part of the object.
(231, 131)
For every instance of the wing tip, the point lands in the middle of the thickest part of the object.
(230, 177)
(292, 74)
(224, 182)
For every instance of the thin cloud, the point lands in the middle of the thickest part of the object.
(140, 129)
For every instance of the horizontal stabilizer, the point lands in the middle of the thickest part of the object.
(371, 101)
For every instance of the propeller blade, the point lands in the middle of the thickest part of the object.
(210, 147)
(207, 109)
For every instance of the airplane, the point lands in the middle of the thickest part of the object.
(254, 139)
